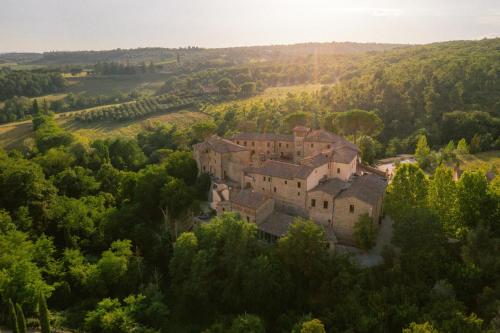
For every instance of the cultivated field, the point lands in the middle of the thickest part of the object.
(12, 135)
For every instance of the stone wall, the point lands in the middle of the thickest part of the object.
(318, 212)
(344, 220)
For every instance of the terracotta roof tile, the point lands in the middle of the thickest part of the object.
(282, 170)
(220, 145)
(262, 136)
(368, 188)
(332, 186)
(249, 199)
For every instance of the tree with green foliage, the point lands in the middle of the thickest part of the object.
(48, 134)
(420, 328)
(358, 122)
(76, 182)
(370, 149)
(21, 320)
(408, 190)
(247, 323)
(423, 152)
(43, 313)
(472, 198)
(298, 118)
(125, 154)
(442, 200)
(248, 89)
(226, 86)
(202, 130)
(181, 165)
(462, 147)
(221, 248)
(14, 322)
(312, 326)
(420, 236)
(365, 232)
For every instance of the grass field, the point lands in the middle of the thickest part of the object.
(485, 161)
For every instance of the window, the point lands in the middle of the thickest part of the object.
(328, 146)
(338, 170)
(279, 144)
(237, 142)
(223, 209)
(269, 179)
(351, 208)
(264, 178)
(248, 219)
(313, 202)
(204, 168)
(298, 153)
(298, 194)
(263, 189)
(286, 182)
(312, 145)
(275, 190)
(325, 204)
(298, 184)
(281, 153)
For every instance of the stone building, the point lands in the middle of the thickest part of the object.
(270, 179)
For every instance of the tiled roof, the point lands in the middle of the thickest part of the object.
(332, 186)
(368, 188)
(262, 136)
(281, 170)
(344, 154)
(220, 145)
(318, 159)
(276, 224)
(248, 198)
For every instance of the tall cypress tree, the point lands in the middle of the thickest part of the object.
(21, 320)
(43, 313)
(13, 318)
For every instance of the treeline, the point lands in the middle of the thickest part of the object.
(101, 229)
(115, 68)
(29, 83)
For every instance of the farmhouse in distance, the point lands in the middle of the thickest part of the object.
(270, 179)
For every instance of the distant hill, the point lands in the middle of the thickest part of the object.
(139, 55)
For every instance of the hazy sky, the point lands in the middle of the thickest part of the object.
(44, 25)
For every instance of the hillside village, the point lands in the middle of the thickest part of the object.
(270, 179)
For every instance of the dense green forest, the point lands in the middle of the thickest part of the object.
(29, 83)
(100, 230)
(97, 235)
